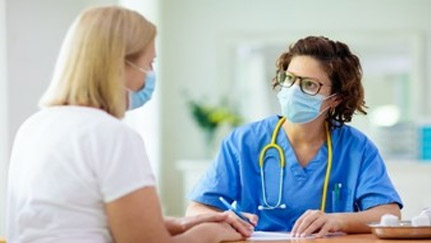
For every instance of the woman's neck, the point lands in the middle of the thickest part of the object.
(306, 134)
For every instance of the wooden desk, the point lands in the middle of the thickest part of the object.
(354, 238)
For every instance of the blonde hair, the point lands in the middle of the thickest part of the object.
(90, 66)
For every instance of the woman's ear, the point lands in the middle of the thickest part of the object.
(335, 101)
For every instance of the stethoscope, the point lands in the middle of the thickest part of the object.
(274, 145)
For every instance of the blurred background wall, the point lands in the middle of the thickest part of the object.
(197, 47)
(3, 114)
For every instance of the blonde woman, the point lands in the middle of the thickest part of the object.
(77, 174)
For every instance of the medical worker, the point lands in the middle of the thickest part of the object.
(77, 173)
(304, 171)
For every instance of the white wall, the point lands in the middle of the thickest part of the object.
(3, 112)
(34, 32)
(195, 56)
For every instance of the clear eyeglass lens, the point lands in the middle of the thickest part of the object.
(285, 79)
(280, 77)
(289, 80)
(310, 87)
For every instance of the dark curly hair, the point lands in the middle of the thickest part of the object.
(343, 69)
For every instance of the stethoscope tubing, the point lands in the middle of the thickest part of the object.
(280, 191)
(274, 145)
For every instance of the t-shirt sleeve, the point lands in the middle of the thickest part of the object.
(374, 186)
(125, 166)
(221, 179)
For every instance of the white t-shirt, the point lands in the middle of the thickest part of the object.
(66, 163)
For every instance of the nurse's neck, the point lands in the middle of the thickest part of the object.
(312, 133)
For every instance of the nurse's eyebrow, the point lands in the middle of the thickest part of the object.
(302, 77)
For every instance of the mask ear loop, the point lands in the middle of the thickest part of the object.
(137, 67)
(329, 107)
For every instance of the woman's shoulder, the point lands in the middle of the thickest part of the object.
(256, 128)
(84, 120)
(347, 134)
(265, 123)
(108, 125)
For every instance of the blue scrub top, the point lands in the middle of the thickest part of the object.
(235, 175)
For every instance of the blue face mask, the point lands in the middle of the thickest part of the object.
(298, 107)
(142, 96)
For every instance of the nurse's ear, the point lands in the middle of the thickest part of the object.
(336, 101)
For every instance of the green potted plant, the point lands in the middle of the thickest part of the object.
(210, 117)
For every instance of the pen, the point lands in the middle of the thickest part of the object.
(337, 188)
(229, 207)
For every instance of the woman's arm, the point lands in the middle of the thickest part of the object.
(315, 221)
(357, 222)
(179, 225)
(137, 217)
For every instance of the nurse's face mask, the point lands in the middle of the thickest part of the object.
(300, 103)
(142, 96)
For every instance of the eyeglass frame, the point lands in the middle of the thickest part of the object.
(295, 77)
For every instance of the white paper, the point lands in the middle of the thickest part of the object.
(268, 236)
(280, 235)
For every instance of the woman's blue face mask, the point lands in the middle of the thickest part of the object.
(299, 107)
(142, 96)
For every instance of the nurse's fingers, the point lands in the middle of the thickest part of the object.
(299, 221)
(317, 224)
(307, 221)
(252, 217)
(227, 233)
(240, 225)
(323, 231)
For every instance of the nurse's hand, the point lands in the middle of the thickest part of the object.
(313, 221)
(216, 232)
(240, 225)
(221, 232)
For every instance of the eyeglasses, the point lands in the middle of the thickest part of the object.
(307, 85)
